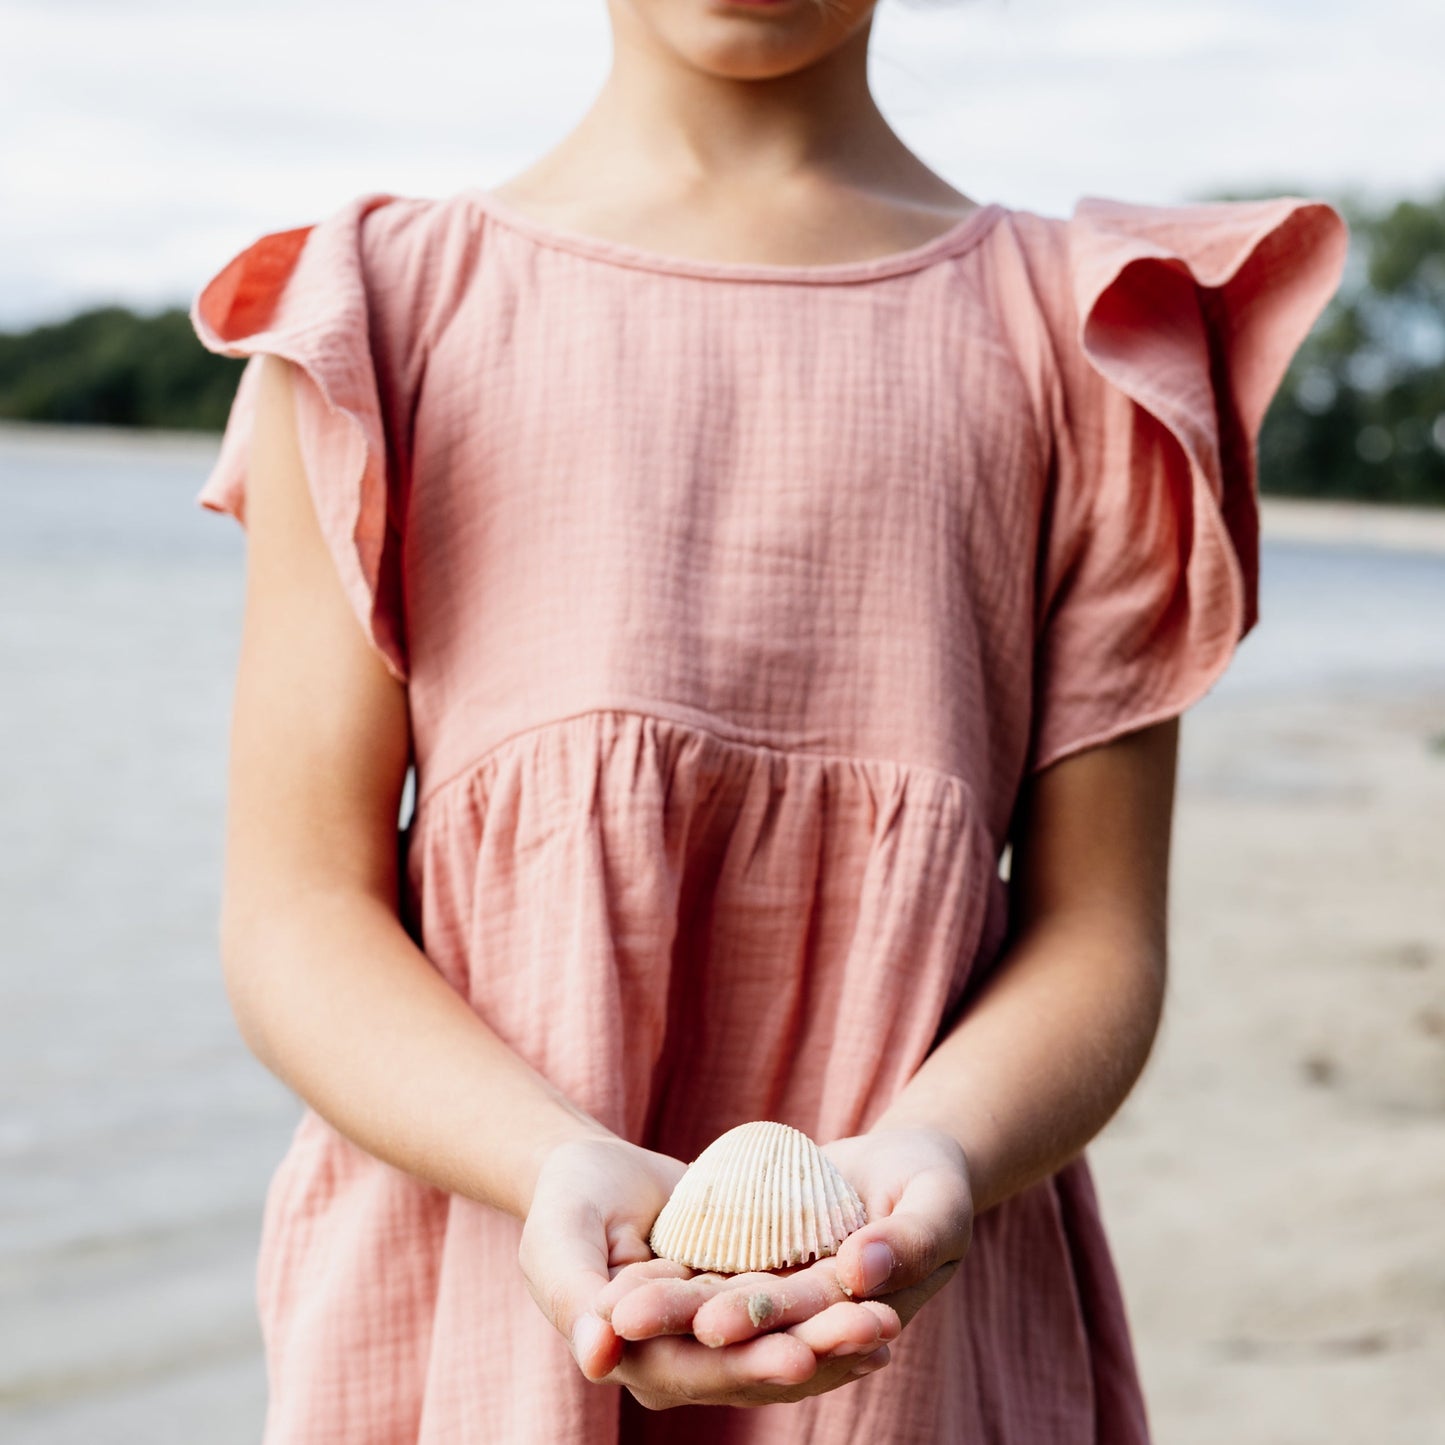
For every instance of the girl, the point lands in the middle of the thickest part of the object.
(756, 545)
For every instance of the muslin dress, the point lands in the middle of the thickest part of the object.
(734, 603)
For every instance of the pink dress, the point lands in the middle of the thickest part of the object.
(735, 602)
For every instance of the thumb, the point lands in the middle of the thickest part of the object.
(595, 1345)
(930, 1226)
(566, 1270)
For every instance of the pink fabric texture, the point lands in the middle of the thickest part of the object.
(735, 603)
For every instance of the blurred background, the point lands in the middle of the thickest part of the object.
(1274, 1187)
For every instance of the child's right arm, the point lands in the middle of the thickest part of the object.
(333, 995)
(328, 989)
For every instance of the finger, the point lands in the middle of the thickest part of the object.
(675, 1369)
(627, 1278)
(664, 1306)
(629, 1238)
(930, 1226)
(870, 1364)
(595, 1346)
(848, 1329)
(766, 1302)
(629, 1247)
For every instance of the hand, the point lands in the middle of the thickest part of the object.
(915, 1186)
(664, 1365)
(592, 1207)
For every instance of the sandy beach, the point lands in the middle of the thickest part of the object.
(1274, 1188)
(1275, 1185)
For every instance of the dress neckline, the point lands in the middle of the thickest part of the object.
(953, 241)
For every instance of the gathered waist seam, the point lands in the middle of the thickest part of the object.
(736, 739)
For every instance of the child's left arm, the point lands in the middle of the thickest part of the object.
(1059, 1035)
(1032, 1071)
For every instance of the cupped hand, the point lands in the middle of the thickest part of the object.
(587, 1227)
(592, 1206)
(665, 1364)
(915, 1186)
(585, 1242)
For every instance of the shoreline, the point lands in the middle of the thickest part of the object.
(1340, 523)
(1327, 521)
(60, 437)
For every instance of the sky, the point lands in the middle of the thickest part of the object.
(143, 143)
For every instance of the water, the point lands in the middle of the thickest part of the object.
(137, 1134)
(1342, 619)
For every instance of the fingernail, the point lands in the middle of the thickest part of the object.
(585, 1335)
(869, 1363)
(877, 1265)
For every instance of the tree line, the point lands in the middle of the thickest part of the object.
(1360, 414)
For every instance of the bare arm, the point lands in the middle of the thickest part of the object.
(1060, 1033)
(329, 990)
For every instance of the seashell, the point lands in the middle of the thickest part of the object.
(761, 1196)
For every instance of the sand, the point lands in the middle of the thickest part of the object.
(1275, 1185)
(1304, 519)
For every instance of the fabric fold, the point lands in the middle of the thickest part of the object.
(1184, 320)
(302, 294)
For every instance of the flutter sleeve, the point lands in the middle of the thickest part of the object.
(1173, 327)
(326, 297)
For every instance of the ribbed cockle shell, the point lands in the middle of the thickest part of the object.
(761, 1196)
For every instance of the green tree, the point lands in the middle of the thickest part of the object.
(111, 367)
(1361, 413)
